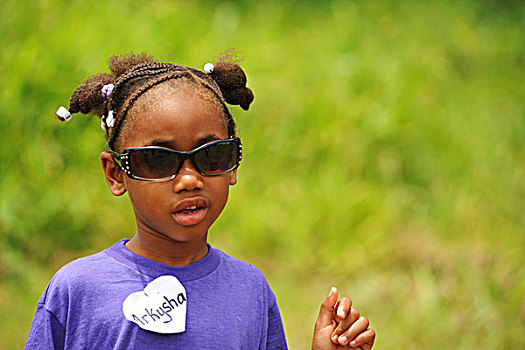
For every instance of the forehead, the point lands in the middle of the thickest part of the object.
(176, 115)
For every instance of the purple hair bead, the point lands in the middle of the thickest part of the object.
(107, 90)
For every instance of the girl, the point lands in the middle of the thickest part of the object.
(172, 147)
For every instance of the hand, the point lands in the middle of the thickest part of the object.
(339, 326)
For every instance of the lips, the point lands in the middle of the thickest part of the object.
(190, 211)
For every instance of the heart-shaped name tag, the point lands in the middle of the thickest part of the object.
(160, 307)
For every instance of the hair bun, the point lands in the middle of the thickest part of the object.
(232, 82)
(242, 97)
(88, 98)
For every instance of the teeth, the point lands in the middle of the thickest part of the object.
(190, 208)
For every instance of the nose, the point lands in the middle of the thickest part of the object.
(188, 178)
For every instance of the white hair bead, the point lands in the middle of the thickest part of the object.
(63, 114)
(208, 67)
(102, 124)
(110, 121)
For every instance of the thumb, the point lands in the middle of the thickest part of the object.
(326, 312)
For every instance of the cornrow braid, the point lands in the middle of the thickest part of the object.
(163, 72)
(131, 100)
(227, 114)
(142, 70)
(133, 75)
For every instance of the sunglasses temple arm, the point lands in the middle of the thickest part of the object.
(116, 157)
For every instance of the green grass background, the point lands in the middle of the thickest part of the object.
(384, 154)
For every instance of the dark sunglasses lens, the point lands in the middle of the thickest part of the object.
(153, 163)
(217, 158)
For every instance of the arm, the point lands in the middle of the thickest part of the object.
(339, 326)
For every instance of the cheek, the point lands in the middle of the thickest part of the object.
(143, 195)
(220, 191)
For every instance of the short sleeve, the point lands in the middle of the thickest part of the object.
(46, 331)
(276, 338)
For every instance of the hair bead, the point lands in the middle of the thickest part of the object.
(107, 90)
(63, 114)
(110, 121)
(111, 96)
(208, 67)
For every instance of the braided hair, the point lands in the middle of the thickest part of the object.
(133, 75)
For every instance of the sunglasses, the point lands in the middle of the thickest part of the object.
(159, 164)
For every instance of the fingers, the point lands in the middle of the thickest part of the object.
(358, 334)
(365, 340)
(339, 336)
(349, 328)
(327, 309)
(342, 307)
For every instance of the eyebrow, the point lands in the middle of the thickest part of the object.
(201, 141)
(206, 139)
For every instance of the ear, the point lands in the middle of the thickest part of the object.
(113, 174)
(233, 177)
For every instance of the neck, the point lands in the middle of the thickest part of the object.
(167, 251)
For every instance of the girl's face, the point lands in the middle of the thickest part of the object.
(177, 118)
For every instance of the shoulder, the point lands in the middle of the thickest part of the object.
(72, 281)
(84, 268)
(243, 273)
(91, 268)
(82, 274)
(237, 265)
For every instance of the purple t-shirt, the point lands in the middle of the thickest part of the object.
(229, 305)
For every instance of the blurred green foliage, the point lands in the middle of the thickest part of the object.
(384, 154)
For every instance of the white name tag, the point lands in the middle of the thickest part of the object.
(160, 307)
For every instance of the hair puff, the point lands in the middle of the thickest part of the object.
(120, 64)
(134, 74)
(88, 98)
(231, 79)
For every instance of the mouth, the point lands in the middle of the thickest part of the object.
(191, 211)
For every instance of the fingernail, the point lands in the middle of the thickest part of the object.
(334, 338)
(342, 340)
(352, 343)
(332, 291)
(341, 312)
